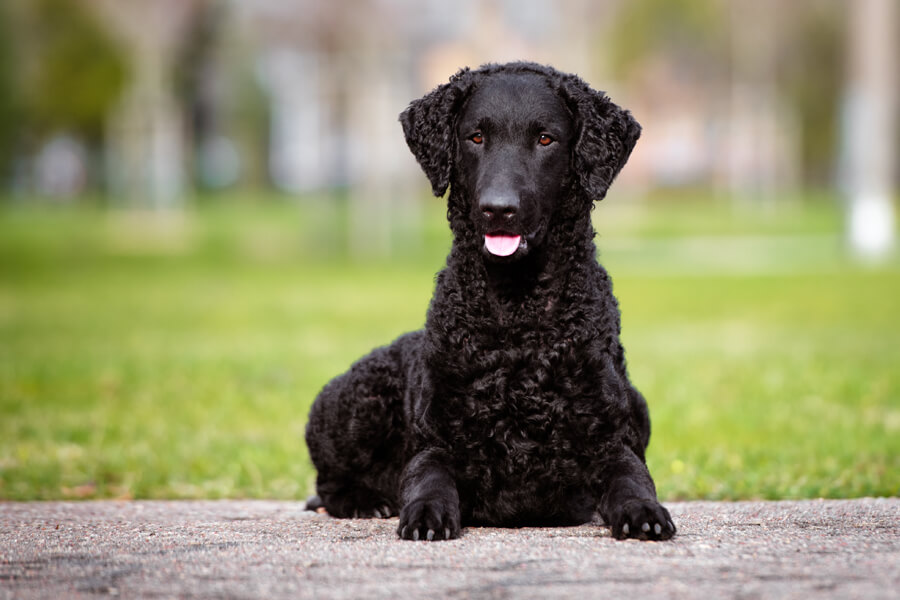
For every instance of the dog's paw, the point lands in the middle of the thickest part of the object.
(381, 510)
(642, 520)
(359, 504)
(429, 520)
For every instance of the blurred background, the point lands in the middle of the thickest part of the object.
(207, 209)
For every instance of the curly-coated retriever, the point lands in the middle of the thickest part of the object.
(513, 405)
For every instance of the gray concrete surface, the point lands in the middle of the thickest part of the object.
(262, 549)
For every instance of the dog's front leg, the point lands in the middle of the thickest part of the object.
(429, 499)
(628, 501)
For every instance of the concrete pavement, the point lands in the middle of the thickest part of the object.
(267, 549)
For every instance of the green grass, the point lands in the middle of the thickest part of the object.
(156, 357)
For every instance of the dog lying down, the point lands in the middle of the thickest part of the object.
(512, 406)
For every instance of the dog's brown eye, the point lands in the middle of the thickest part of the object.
(545, 140)
(477, 137)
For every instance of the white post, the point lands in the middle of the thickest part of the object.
(144, 133)
(869, 127)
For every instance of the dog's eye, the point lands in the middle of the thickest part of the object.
(545, 140)
(477, 137)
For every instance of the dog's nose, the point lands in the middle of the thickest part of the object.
(498, 204)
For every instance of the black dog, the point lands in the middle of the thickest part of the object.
(513, 405)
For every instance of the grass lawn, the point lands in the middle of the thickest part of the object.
(156, 357)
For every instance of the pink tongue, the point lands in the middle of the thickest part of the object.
(502, 245)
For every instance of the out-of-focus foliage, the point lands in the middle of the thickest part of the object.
(211, 84)
(698, 38)
(9, 100)
(219, 91)
(75, 72)
(691, 31)
(812, 74)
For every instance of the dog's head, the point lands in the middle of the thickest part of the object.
(515, 141)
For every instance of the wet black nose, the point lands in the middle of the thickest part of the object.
(498, 204)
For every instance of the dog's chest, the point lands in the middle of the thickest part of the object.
(519, 389)
(531, 410)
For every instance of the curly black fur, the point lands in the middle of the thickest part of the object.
(513, 405)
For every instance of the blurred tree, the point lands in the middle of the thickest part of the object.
(76, 71)
(811, 73)
(807, 54)
(10, 107)
(218, 88)
(196, 78)
(692, 32)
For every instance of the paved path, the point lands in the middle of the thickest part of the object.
(261, 549)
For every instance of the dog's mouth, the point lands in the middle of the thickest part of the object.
(503, 244)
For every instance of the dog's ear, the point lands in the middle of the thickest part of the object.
(429, 125)
(606, 137)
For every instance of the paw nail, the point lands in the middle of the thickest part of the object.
(403, 532)
(657, 528)
(645, 527)
(386, 511)
(377, 514)
(447, 533)
(671, 525)
(430, 534)
(625, 529)
(415, 535)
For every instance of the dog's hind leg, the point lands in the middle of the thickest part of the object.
(350, 501)
(355, 438)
